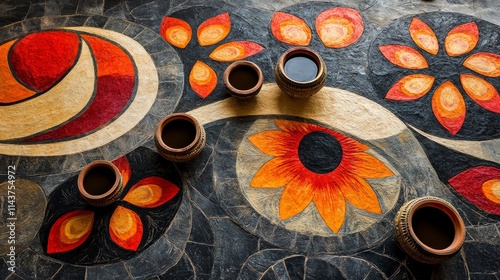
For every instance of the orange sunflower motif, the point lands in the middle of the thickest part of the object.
(448, 104)
(316, 164)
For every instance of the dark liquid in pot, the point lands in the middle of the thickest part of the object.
(99, 180)
(433, 227)
(301, 68)
(178, 133)
(243, 77)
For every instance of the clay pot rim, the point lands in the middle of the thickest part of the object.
(301, 50)
(176, 116)
(242, 63)
(458, 225)
(98, 163)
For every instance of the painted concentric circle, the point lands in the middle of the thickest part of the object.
(96, 90)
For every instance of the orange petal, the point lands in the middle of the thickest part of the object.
(275, 173)
(360, 194)
(365, 165)
(448, 106)
(70, 231)
(176, 31)
(404, 56)
(293, 126)
(295, 197)
(124, 166)
(151, 192)
(271, 142)
(423, 36)
(487, 64)
(10, 88)
(481, 91)
(331, 206)
(202, 79)
(214, 29)
(339, 27)
(235, 51)
(290, 29)
(461, 39)
(491, 190)
(410, 87)
(125, 228)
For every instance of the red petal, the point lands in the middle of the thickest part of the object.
(339, 27)
(481, 91)
(124, 166)
(487, 64)
(423, 36)
(214, 29)
(290, 29)
(176, 31)
(481, 186)
(202, 79)
(404, 56)
(151, 192)
(461, 39)
(410, 87)
(235, 51)
(448, 106)
(70, 231)
(125, 228)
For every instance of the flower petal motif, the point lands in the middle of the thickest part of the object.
(124, 166)
(302, 183)
(125, 228)
(423, 36)
(359, 193)
(10, 89)
(481, 186)
(481, 91)
(176, 32)
(235, 51)
(331, 207)
(448, 106)
(151, 192)
(290, 29)
(202, 79)
(339, 27)
(214, 30)
(295, 197)
(70, 231)
(461, 39)
(410, 87)
(487, 64)
(404, 56)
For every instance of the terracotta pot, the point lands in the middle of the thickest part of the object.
(100, 183)
(243, 79)
(300, 72)
(429, 229)
(179, 137)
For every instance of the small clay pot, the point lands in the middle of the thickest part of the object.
(429, 229)
(300, 72)
(243, 79)
(100, 183)
(179, 137)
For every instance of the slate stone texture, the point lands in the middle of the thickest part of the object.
(216, 233)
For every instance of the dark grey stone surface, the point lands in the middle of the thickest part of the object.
(217, 233)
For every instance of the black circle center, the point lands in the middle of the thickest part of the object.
(320, 152)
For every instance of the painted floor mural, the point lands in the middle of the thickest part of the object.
(285, 188)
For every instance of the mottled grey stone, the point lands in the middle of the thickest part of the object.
(117, 25)
(113, 271)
